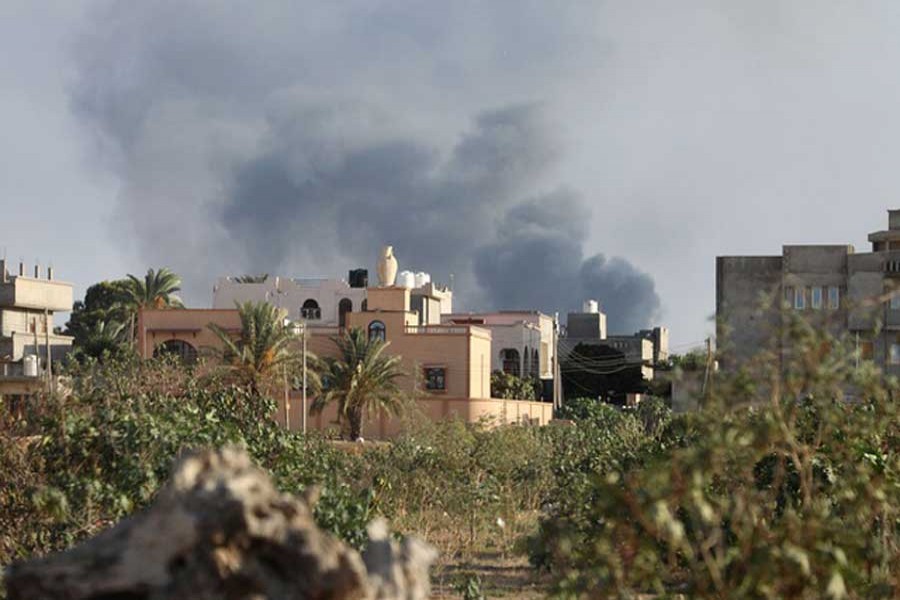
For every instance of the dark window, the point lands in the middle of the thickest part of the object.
(311, 310)
(436, 378)
(184, 351)
(509, 357)
(365, 305)
(344, 306)
(377, 331)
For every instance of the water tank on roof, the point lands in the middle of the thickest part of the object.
(406, 279)
(591, 306)
(422, 279)
(30, 365)
(359, 278)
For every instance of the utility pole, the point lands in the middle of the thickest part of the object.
(303, 330)
(287, 399)
(49, 354)
(557, 384)
(704, 391)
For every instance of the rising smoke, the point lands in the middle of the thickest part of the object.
(299, 141)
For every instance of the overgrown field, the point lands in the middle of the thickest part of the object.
(779, 488)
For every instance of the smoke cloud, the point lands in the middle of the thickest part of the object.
(298, 140)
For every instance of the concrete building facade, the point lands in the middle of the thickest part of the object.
(845, 292)
(29, 347)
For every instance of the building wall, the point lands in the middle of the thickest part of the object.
(464, 351)
(747, 287)
(155, 327)
(516, 329)
(590, 326)
(290, 294)
(38, 294)
(864, 283)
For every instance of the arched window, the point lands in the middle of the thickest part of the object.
(535, 363)
(184, 351)
(526, 362)
(344, 306)
(377, 331)
(509, 358)
(311, 310)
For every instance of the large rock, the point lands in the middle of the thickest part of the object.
(220, 529)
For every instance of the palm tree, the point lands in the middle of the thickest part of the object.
(363, 378)
(156, 290)
(263, 348)
(103, 338)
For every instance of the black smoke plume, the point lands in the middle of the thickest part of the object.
(244, 145)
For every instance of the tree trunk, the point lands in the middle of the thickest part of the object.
(355, 417)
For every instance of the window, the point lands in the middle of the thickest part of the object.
(184, 351)
(816, 298)
(436, 379)
(377, 331)
(311, 310)
(895, 300)
(344, 306)
(834, 297)
(895, 354)
(800, 298)
(509, 358)
(535, 364)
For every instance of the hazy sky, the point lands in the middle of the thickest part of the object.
(540, 151)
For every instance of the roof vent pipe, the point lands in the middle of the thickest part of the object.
(37, 271)
(50, 273)
(21, 268)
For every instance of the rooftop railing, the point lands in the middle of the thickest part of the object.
(435, 330)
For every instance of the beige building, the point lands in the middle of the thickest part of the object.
(29, 348)
(523, 343)
(447, 367)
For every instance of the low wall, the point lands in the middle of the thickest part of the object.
(490, 410)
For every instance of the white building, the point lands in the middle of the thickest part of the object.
(322, 301)
(326, 302)
(523, 342)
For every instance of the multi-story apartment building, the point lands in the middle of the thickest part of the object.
(29, 347)
(848, 293)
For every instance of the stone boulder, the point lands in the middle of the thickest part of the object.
(220, 529)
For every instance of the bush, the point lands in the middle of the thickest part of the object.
(782, 490)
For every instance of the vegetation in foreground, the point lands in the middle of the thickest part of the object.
(779, 488)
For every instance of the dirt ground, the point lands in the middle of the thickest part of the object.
(509, 577)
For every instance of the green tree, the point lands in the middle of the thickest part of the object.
(103, 339)
(512, 387)
(362, 379)
(263, 348)
(102, 308)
